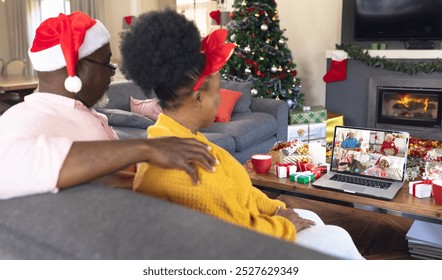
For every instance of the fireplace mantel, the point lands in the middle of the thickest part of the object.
(400, 54)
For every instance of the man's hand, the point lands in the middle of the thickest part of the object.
(179, 153)
(292, 216)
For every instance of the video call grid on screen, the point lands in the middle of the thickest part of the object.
(359, 151)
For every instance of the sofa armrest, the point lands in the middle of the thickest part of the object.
(278, 108)
(99, 222)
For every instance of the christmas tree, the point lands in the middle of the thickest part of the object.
(261, 53)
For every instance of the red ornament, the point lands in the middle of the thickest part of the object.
(232, 15)
(282, 76)
(294, 73)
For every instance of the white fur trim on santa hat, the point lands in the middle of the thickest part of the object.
(339, 55)
(52, 58)
(73, 84)
(387, 159)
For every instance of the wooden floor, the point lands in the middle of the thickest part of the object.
(377, 236)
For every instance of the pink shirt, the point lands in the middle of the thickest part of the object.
(36, 136)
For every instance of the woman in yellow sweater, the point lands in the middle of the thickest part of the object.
(163, 51)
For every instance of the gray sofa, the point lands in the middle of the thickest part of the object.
(256, 124)
(98, 222)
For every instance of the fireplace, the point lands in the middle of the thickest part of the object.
(413, 105)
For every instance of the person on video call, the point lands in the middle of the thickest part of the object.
(163, 51)
(350, 142)
(380, 169)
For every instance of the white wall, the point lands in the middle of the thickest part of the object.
(115, 10)
(312, 27)
(4, 46)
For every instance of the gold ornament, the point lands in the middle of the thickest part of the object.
(301, 132)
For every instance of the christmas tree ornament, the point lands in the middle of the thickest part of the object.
(232, 37)
(254, 91)
(264, 27)
(279, 69)
(276, 48)
(261, 58)
(248, 71)
(243, 3)
(268, 41)
(338, 67)
(281, 41)
(273, 69)
(247, 49)
(273, 18)
(256, 15)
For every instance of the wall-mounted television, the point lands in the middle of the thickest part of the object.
(403, 20)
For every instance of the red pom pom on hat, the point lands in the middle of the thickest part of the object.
(61, 41)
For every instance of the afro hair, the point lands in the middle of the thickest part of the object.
(161, 51)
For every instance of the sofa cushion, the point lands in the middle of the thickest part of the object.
(119, 93)
(222, 140)
(229, 98)
(125, 132)
(247, 129)
(243, 104)
(118, 117)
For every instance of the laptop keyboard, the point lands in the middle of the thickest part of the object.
(361, 181)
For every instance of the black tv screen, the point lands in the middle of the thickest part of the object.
(398, 19)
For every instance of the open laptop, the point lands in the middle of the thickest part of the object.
(368, 162)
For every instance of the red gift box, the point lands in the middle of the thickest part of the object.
(284, 170)
(420, 189)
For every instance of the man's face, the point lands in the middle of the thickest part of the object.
(95, 74)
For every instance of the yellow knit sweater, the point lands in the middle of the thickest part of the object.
(226, 193)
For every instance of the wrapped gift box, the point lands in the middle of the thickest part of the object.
(316, 114)
(284, 170)
(420, 189)
(332, 121)
(313, 132)
(302, 177)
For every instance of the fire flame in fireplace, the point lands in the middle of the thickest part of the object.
(406, 100)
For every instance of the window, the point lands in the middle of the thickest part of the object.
(198, 11)
(51, 8)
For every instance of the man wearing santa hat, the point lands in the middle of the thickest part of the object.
(55, 139)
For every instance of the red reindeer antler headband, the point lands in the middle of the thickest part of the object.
(216, 51)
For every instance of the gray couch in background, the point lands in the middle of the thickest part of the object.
(98, 222)
(256, 124)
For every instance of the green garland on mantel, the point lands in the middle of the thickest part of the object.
(357, 53)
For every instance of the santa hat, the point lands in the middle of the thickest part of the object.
(387, 159)
(62, 41)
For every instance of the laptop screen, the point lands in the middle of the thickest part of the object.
(369, 152)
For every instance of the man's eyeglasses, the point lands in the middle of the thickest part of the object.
(111, 66)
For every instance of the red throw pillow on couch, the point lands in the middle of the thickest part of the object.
(228, 101)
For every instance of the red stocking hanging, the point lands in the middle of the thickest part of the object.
(338, 67)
